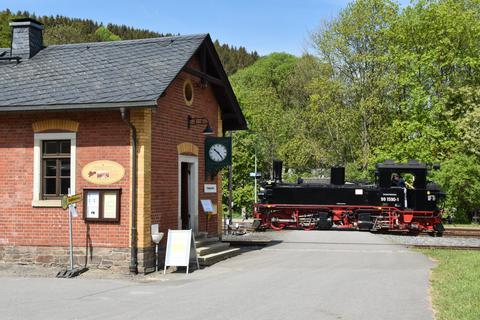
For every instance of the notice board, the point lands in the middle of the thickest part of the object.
(179, 245)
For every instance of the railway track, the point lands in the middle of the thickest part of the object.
(462, 232)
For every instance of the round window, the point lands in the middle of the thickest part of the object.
(188, 92)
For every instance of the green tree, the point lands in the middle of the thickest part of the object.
(274, 95)
(435, 49)
(355, 45)
(5, 31)
(104, 34)
(460, 179)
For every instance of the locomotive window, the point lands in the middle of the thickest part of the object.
(409, 180)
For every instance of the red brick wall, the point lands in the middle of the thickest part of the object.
(97, 139)
(169, 128)
(102, 135)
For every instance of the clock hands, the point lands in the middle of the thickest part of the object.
(218, 153)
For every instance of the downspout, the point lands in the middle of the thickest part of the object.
(133, 244)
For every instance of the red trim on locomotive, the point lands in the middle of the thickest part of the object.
(281, 216)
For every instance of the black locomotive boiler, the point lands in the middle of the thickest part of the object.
(388, 204)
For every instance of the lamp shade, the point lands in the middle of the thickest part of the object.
(208, 130)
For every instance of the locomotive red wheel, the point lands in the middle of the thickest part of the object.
(310, 227)
(277, 225)
(308, 221)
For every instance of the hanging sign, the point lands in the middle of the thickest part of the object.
(179, 245)
(103, 172)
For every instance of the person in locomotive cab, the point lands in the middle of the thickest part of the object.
(398, 181)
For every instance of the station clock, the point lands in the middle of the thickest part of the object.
(218, 154)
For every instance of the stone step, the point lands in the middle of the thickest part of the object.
(212, 248)
(201, 235)
(205, 241)
(213, 258)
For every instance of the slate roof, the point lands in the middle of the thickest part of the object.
(94, 73)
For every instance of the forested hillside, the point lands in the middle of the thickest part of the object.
(383, 82)
(60, 30)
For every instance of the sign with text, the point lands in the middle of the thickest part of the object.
(103, 172)
(179, 245)
(207, 205)
(210, 188)
(68, 200)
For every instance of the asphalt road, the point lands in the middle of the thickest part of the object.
(306, 275)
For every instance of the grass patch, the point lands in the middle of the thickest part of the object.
(461, 225)
(455, 284)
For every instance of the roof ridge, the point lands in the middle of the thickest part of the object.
(128, 42)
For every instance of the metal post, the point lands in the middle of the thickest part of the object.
(230, 192)
(156, 258)
(255, 186)
(70, 232)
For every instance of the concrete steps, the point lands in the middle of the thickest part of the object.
(205, 241)
(213, 258)
(211, 250)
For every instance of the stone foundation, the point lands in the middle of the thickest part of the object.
(115, 259)
(146, 260)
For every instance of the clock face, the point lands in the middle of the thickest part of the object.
(217, 152)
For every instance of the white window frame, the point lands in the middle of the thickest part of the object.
(37, 165)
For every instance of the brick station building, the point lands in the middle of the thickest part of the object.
(69, 118)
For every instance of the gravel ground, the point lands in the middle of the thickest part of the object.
(431, 241)
(250, 237)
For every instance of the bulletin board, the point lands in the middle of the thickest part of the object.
(101, 205)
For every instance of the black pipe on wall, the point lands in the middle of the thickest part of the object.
(133, 245)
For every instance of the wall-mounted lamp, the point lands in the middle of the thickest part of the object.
(196, 121)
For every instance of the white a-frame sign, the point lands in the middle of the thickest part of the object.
(179, 245)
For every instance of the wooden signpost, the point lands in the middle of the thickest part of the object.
(67, 203)
(179, 245)
(68, 200)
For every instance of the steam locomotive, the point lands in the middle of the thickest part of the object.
(412, 208)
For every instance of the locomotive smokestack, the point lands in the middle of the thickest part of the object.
(277, 170)
(337, 176)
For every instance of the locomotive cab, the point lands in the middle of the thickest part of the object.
(419, 194)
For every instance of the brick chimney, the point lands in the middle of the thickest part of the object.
(27, 37)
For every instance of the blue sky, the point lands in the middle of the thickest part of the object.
(263, 25)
